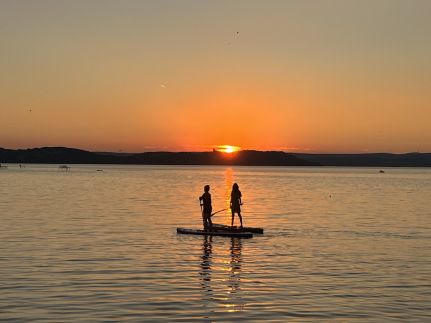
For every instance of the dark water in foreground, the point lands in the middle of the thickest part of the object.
(342, 244)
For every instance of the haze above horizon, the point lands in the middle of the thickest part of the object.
(339, 76)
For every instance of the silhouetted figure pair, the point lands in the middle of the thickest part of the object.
(206, 207)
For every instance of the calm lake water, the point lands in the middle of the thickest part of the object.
(340, 244)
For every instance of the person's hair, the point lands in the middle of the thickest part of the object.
(206, 188)
(235, 187)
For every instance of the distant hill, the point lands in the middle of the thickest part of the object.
(63, 155)
(375, 159)
(244, 158)
(52, 155)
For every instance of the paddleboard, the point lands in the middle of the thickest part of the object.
(215, 233)
(237, 229)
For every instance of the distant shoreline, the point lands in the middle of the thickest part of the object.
(64, 155)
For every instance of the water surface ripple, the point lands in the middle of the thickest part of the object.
(341, 244)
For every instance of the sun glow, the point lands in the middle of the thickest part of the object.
(228, 149)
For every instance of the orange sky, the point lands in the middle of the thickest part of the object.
(338, 76)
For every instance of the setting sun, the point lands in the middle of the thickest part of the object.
(228, 149)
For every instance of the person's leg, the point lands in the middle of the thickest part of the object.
(210, 223)
(231, 222)
(204, 221)
(240, 218)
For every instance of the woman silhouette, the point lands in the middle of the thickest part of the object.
(235, 203)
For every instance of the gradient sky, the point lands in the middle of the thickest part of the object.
(310, 76)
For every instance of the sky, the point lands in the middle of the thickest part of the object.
(188, 75)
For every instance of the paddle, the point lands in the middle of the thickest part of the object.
(218, 211)
(221, 210)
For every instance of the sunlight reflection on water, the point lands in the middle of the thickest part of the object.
(339, 243)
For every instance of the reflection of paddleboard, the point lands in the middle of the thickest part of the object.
(237, 229)
(215, 233)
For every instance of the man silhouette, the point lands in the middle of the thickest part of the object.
(206, 207)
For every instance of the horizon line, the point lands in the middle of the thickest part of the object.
(311, 152)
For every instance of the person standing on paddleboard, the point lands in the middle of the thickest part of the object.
(235, 202)
(206, 208)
